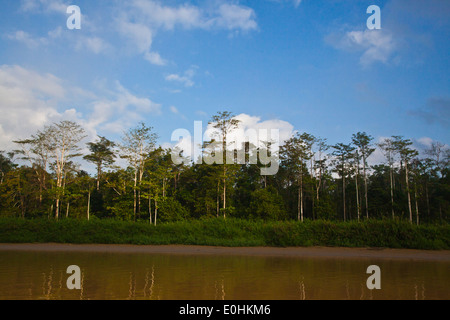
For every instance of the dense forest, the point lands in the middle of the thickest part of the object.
(315, 181)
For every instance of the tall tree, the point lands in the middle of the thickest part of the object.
(343, 153)
(101, 155)
(63, 139)
(357, 159)
(294, 153)
(136, 145)
(224, 122)
(406, 154)
(6, 165)
(437, 153)
(363, 141)
(388, 148)
(37, 151)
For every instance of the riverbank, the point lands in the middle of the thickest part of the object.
(230, 233)
(291, 252)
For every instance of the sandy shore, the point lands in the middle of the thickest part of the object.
(313, 252)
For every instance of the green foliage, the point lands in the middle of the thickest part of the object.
(230, 232)
(266, 204)
(170, 210)
(311, 184)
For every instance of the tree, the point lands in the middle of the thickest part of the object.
(406, 154)
(267, 204)
(136, 144)
(437, 153)
(356, 162)
(388, 148)
(224, 122)
(62, 141)
(362, 141)
(320, 164)
(294, 153)
(343, 153)
(37, 151)
(101, 155)
(6, 165)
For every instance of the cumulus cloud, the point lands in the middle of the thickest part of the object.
(30, 100)
(235, 17)
(247, 126)
(139, 22)
(375, 45)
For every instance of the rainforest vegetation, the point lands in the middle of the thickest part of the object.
(43, 179)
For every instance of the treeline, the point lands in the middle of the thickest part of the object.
(315, 181)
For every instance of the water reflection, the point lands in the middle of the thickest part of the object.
(35, 275)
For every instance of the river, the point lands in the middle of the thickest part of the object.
(196, 273)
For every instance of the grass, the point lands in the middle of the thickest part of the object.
(230, 233)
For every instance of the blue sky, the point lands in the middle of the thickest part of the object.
(306, 65)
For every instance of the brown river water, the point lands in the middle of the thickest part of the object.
(195, 273)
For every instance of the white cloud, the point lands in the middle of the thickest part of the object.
(140, 20)
(236, 17)
(93, 44)
(29, 101)
(186, 79)
(120, 109)
(248, 124)
(425, 141)
(27, 39)
(139, 34)
(160, 16)
(44, 6)
(376, 45)
(286, 130)
(174, 110)
(56, 33)
(155, 58)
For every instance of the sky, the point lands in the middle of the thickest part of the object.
(294, 65)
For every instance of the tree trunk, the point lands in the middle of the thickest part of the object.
(218, 197)
(391, 177)
(301, 194)
(67, 210)
(89, 205)
(150, 207)
(417, 206)
(57, 208)
(428, 198)
(164, 188)
(156, 210)
(134, 194)
(99, 173)
(357, 198)
(365, 185)
(299, 204)
(40, 193)
(343, 191)
(224, 193)
(408, 192)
